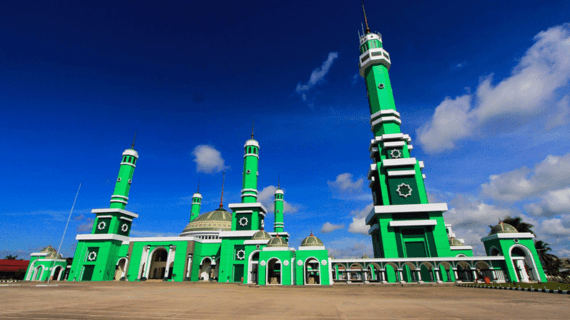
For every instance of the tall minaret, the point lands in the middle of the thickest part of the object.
(250, 173)
(396, 180)
(120, 196)
(196, 204)
(278, 224)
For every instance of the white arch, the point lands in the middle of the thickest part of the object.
(528, 258)
(461, 255)
(267, 271)
(119, 261)
(60, 272)
(149, 260)
(30, 277)
(202, 261)
(250, 266)
(491, 250)
(305, 270)
(36, 273)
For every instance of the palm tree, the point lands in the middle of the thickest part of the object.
(11, 257)
(542, 249)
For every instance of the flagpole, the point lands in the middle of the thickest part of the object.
(65, 230)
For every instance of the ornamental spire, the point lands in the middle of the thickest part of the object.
(222, 198)
(198, 189)
(365, 20)
(134, 139)
(278, 182)
(252, 122)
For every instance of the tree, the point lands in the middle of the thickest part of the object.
(519, 224)
(11, 257)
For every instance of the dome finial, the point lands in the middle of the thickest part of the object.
(222, 198)
(365, 20)
(134, 139)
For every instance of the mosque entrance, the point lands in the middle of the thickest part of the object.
(57, 273)
(274, 271)
(523, 264)
(157, 267)
(312, 275)
(205, 269)
(119, 269)
(253, 268)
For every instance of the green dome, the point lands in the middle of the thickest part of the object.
(277, 242)
(455, 243)
(261, 235)
(503, 228)
(312, 241)
(216, 220)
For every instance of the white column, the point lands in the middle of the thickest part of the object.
(147, 264)
(438, 280)
(401, 275)
(189, 266)
(456, 275)
(419, 273)
(365, 276)
(167, 271)
(474, 271)
(348, 277)
(494, 275)
(382, 271)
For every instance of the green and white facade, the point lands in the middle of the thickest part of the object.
(410, 239)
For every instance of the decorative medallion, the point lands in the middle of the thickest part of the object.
(101, 225)
(262, 263)
(395, 154)
(404, 190)
(119, 179)
(92, 256)
(248, 171)
(286, 263)
(257, 173)
(240, 254)
(324, 262)
(124, 227)
(299, 263)
(130, 181)
(243, 221)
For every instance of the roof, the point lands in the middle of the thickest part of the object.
(277, 242)
(503, 228)
(216, 220)
(13, 265)
(261, 235)
(312, 241)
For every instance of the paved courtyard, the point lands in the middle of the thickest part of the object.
(157, 300)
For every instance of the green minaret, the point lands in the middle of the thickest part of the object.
(278, 224)
(250, 173)
(196, 204)
(403, 223)
(120, 196)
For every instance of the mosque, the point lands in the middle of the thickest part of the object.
(410, 239)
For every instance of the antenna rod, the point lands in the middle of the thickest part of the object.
(65, 230)
(135, 138)
(365, 20)
(222, 198)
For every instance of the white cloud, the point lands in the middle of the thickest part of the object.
(350, 247)
(85, 226)
(329, 227)
(556, 227)
(551, 204)
(537, 82)
(358, 224)
(551, 174)
(267, 198)
(345, 187)
(208, 159)
(317, 76)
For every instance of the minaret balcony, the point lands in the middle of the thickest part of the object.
(372, 57)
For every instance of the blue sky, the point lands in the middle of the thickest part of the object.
(482, 88)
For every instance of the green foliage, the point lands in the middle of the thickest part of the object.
(11, 257)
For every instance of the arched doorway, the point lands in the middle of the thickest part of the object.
(312, 274)
(253, 267)
(205, 269)
(463, 272)
(483, 271)
(57, 273)
(38, 273)
(273, 271)
(157, 266)
(120, 268)
(524, 265)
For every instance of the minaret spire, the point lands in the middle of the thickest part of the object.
(198, 189)
(252, 122)
(365, 20)
(134, 139)
(278, 182)
(222, 198)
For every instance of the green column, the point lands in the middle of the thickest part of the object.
(120, 196)
(278, 224)
(250, 173)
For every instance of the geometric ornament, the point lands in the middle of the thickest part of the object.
(101, 225)
(124, 227)
(240, 254)
(92, 256)
(404, 190)
(243, 221)
(395, 154)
